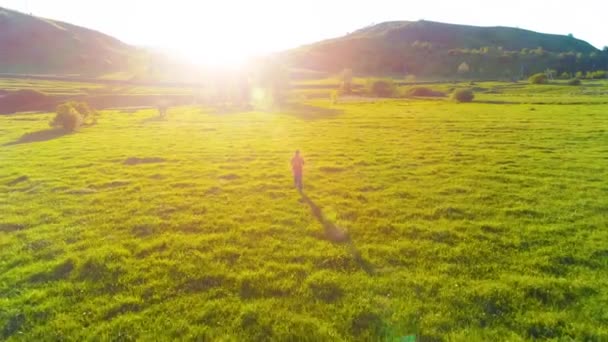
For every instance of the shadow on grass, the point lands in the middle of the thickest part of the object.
(308, 112)
(336, 234)
(45, 135)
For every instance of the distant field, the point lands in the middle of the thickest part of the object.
(472, 221)
(64, 88)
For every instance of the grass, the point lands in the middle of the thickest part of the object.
(65, 88)
(444, 221)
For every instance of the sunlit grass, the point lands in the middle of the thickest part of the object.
(464, 222)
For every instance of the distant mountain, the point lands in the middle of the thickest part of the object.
(437, 49)
(30, 44)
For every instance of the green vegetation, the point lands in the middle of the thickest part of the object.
(438, 51)
(539, 78)
(39, 45)
(477, 221)
(463, 95)
(71, 115)
(381, 87)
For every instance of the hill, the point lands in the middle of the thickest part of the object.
(31, 44)
(437, 49)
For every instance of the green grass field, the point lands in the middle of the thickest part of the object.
(430, 219)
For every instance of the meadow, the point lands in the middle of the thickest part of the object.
(420, 220)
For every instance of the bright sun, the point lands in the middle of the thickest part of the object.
(219, 42)
(218, 56)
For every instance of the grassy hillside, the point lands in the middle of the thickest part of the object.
(37, 45)
(431, 49)
(452, 36)
(463, 222)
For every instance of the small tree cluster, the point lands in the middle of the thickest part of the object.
(464, 68)
(463, 95)
(381, 87)
(71, 115)
(596, 75)
(592, 75)
(540, 78)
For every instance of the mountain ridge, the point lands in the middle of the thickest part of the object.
(437, 49)
(31, 44)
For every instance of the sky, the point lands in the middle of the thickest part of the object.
(229, 31)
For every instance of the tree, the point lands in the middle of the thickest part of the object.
(381, 87)
(463, 68)
(71, 115)
(539, 78)
(67, 117)
(463, 95)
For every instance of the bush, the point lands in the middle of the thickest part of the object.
(381, 88)
(424, 92)
(574, 82)
(539, 78)
(83, 109)
(71, 115)
(463, 95)
(67, 117)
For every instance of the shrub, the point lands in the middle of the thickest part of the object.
(574, 82)
(463, 95)
(600, 74)
(67, 117)
(83, 109)
(539, 78)
(71, 115)
(463, 68)
(381, 87)
(424, 92)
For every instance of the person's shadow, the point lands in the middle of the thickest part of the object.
(336, 234)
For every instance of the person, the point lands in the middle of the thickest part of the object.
(297, 163)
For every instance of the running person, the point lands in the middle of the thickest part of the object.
(297, 164)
